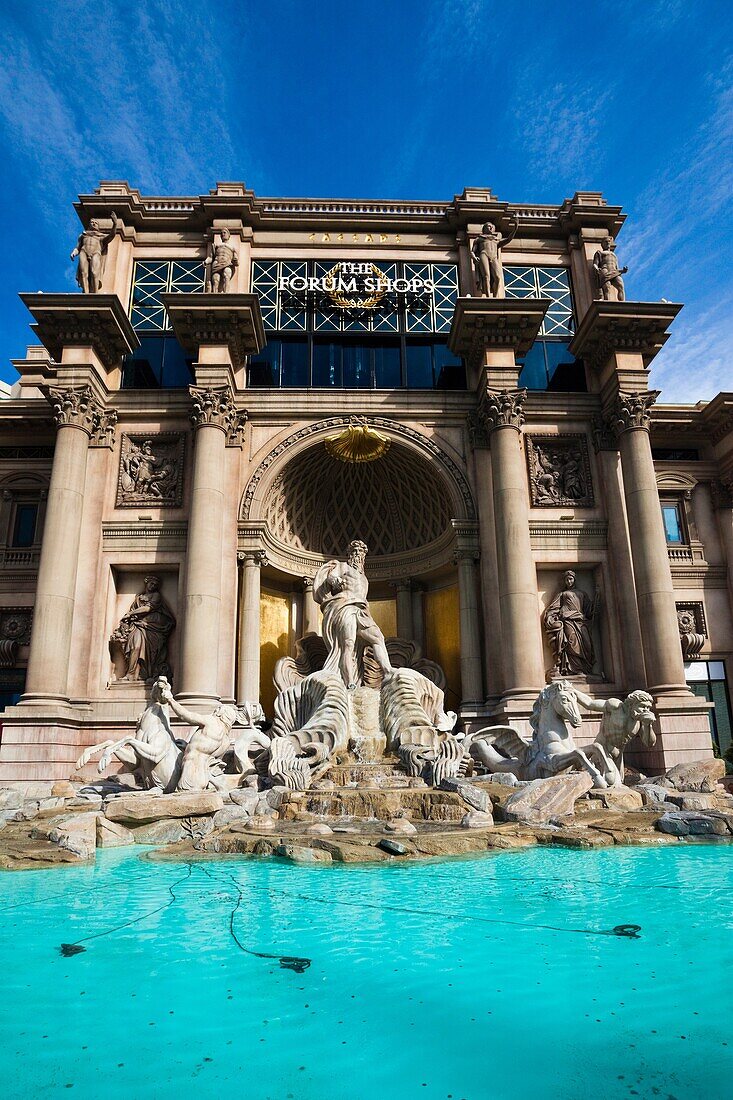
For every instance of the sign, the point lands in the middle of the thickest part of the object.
(351, 285)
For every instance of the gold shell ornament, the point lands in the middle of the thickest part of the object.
(357, 442)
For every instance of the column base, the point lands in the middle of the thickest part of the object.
(207, 703)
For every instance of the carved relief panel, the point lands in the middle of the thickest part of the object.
(151, 470)
(559, 471)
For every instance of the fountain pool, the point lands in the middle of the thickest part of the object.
(491, 976)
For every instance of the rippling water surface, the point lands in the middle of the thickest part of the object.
(491, 977)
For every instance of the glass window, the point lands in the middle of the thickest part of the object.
(387, 369)
(24, 528)
(294, 363)
(160, 361)
(326, 364)
(534, 370)
(357, 368)
(12, 686)
(673, 530)
(544, 282)
(419, 359)
(449, 373)
(153, 278)
(706, 679)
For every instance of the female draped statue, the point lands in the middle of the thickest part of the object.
(143, 633)
(568, 622)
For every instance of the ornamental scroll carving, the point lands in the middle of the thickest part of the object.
(559, 471)
(502, 409)
(77, 408)
(693, 631)
(151, 470)
(216, 407)
(15, 631)
(632, 410)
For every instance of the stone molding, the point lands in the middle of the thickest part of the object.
(82, 320)
(215, 407)
(568, 535)
(77, 407)
(320, 428)
(105, 431)
(632, 411)
(227, 320)
(548, 480)
(168, 448)
(15, 631)
(609, 327)
(508, 323)
(256, 557)
(501, 409)
(692, 627)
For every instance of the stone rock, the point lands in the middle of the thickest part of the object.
(10, 798)
(698, 801)
(401, 826)
(63, 789)
(654, 794)
(415, 783)
(323, 785)
(261, 821)
(149, 807)
(469, 792)
(620, 798)
(510, 840)
(173, 830)
(698, 775)
(296, 853)
(477, 819)
(686, 823)
(542, 799)
(276, 796)
(230, 814)
(110, 834)
(320, 829)
(76, 834)
(504, 779)
(393, 847)
(29, 811)
(247, 797)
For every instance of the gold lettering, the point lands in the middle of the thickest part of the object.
(368, 238)
(382, 238)
(355, 237)
(398, 238)
(326, 238)
(311, 237)
(340, 237)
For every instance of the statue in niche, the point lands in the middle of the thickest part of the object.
(608, 273)
(91, 248)
(340, 588)
(486, 251)
(143, 632)
(221, 264)
(150, 471)
(568, 621)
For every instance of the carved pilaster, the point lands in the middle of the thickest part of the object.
(104, 432)
(478, 436)
(632, 411)
(76, 408)
(215, 407)
(604, 438)
(501, 409)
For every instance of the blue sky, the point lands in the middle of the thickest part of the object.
(396, 100)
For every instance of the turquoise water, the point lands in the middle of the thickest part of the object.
(488, 977)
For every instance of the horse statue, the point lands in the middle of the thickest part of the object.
(151, 752)
(551, 750)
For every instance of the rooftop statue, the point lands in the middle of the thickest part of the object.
(91, 248)
(486, 251)
(340, 587)
(221, 264)
(608, 273)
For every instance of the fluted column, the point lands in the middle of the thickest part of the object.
(213, 417)
(78, 415)
(502, 415)
(418, 614)
(248, 671)
(310, 608)
(652, 575)
(403, 596)
(466, 555)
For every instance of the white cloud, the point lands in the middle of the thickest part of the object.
(697, 360)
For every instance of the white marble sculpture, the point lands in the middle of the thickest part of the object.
(312, 718)
(151, 753)
(417, 727)
(552, 749)
(202, 764)
(622, 720)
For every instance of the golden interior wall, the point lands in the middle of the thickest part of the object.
(274, 642)
(384, 613)
(442, 638)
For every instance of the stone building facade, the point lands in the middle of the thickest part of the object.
(188, 421)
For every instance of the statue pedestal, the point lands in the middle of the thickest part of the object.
(366, 740)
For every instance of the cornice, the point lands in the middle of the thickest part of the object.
(82, 320)
(481, 323)
(230, 320)
(609, 327)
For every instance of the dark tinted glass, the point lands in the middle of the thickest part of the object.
(265, 369)
(387, 372)
(450, 373)
(357, 367)
(294, 363)
(419, 366)
(176, 370)
(534, 371)
(24, 531)
(326, 365)
(159, 361)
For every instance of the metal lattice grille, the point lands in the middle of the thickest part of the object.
(287, 312)
(151, 279)
(544, 282)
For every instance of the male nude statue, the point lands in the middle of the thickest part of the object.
(90, 249)
(222, 264)
(210, 740)
(340, 587)
(608, 273)
(487, 260)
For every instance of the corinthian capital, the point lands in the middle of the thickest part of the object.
(632, 410)
(502, 409)
(215, 407)
(76, 408)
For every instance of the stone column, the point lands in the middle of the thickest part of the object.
(248, 671)
(404, 610)
(722, 498)
(619, 556)
(311, 623)
(418, 615)
(472, 689)
(502, 415)
(213, 417)
(652, 575)
(77, 414)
